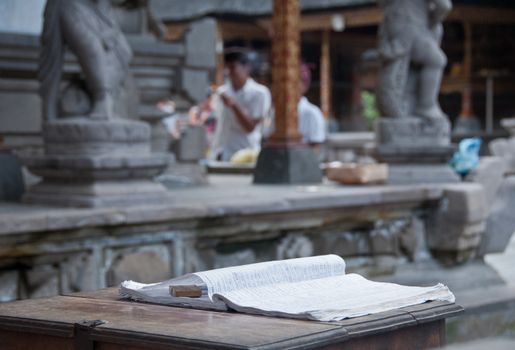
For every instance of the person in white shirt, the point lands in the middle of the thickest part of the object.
(311, 119)
(242, 106)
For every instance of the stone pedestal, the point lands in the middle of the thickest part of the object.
(413, 132)
(416, 149)
(287, 165)
(90, 163)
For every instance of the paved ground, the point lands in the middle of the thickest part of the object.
(504, 265)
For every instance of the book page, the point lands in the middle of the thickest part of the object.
(271, 273)
(330, 299)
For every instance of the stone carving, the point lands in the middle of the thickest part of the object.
(95, 156)
(412, 62)
(88, 29)
(414, 129)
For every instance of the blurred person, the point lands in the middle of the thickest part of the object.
(311, 119)
(240, 108)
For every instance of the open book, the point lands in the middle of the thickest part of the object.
(314, 288)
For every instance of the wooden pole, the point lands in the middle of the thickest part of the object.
(286, 71)
(285, 159)
(325, 74)
(466, 95)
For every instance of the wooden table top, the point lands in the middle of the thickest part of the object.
(140, 322)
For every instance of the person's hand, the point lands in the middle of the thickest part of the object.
(228, 100)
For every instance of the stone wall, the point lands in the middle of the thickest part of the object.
(82, 260)
(46, 251)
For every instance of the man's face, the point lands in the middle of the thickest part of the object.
(238, 73)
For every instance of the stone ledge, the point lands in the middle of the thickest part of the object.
(216, 201)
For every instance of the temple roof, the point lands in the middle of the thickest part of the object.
(182, 10)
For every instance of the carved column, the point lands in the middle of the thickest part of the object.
(285, 159)
(285, 70)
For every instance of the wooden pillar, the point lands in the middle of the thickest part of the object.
(325, 74)
(286, 70)
(466, 95)
(285, 159)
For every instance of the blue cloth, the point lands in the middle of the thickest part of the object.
(466, 158)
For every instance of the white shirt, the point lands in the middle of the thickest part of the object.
(230, 137)
(311, 122)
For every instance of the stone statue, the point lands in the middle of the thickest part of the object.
(412, 62)
(94, 155)
(414, 135)
(88, 29)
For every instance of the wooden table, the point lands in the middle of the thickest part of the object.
(99, 320)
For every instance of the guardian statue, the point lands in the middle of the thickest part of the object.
(88, 29)
(412, 62)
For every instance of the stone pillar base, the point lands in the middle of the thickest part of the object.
(287, 165)
(413, 132)
(88, 181)
(96, 164)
